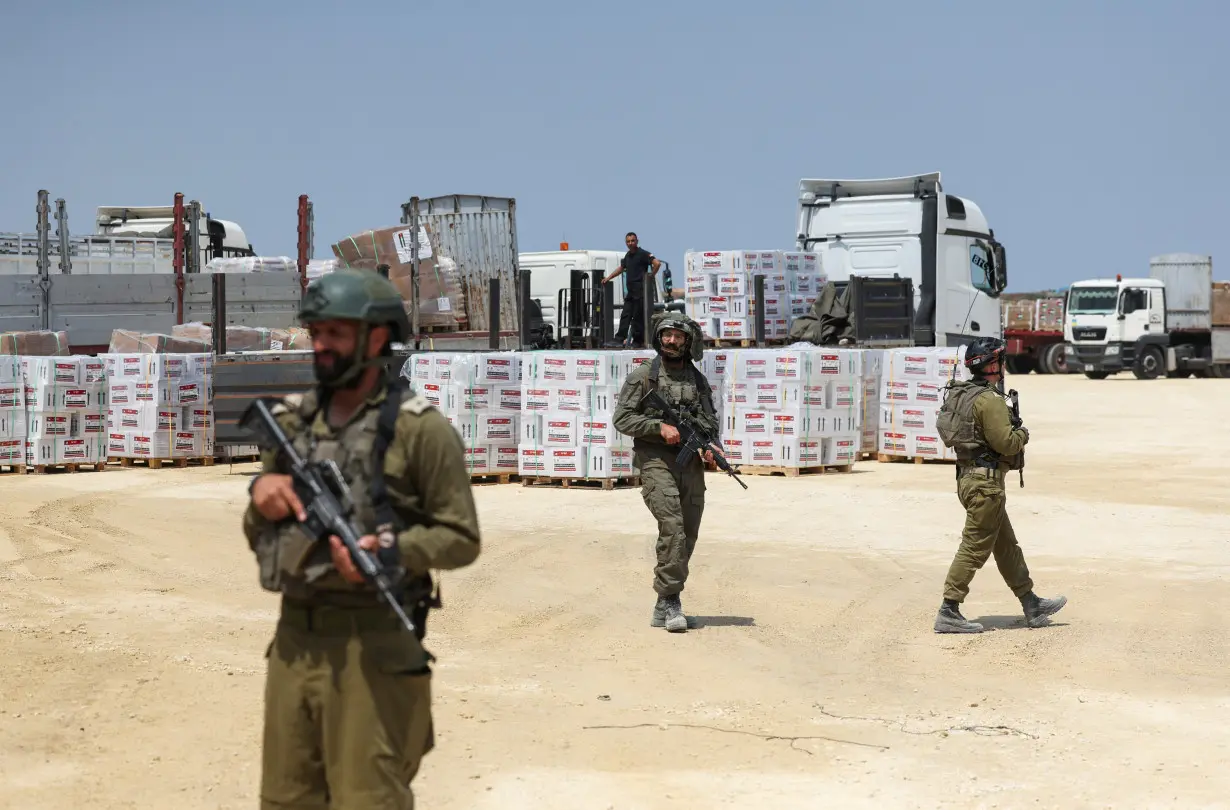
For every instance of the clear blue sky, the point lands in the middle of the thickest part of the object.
(1092, 134)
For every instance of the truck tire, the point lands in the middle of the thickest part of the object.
(1097, 375)
(1218, 371)
(1054, 360)
(1150, 364)
(1020, 364)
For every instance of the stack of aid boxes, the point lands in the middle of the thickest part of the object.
(790, 407)
(720, 290)
(911, 392)
(480, 394)
(567, 410)
(66, 404)
(12, 412)
(159, 405)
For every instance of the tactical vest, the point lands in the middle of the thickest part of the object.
(687, 398)
(291, 563)
(958, 428)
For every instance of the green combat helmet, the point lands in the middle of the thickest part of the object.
(355, 295)
(677, 320)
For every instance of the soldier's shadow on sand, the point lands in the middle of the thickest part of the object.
(1013, 623)
(699, 622)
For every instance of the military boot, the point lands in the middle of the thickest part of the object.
(1038, 611)
(669, 614)
(950, 620)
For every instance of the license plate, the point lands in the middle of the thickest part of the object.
(1088, 367)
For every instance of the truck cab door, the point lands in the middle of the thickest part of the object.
(1134, 312)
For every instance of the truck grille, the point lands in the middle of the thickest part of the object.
(1089, 333)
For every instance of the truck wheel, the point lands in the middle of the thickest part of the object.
(1018, 364)
(1053, 359)
(1217, 372)
(1097, 375)
(1150, 364)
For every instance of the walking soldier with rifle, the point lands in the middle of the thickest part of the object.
(673, 482)
(363, 490)
(989, 440)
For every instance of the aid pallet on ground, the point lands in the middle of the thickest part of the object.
(887, 458)
(66, 467)
(580, 483)
(477, 479)
(159, 463)
(792, 472)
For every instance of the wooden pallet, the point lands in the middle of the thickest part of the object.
(159, 463)
(886, 458)
(793, 472)
(580, 483)
(481, 479)
(13, 469)
(93, 466)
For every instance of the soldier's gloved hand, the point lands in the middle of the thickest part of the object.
(1024, 430)
(669, 433)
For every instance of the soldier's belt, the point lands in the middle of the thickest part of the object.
(983, 472)
(334, 620)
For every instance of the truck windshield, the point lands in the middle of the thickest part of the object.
(1092, 299)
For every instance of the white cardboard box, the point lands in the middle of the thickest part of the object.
(567, 462)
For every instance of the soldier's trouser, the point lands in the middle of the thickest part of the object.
(347, 713)
(987, 531)
(632, 316)
(677, 501)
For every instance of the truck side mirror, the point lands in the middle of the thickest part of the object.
(999, 267)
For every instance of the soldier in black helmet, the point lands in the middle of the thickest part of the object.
(348, 690)
(975, 421)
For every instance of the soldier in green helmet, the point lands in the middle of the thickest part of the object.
(674, 494)
(348, 690)
(975, 421)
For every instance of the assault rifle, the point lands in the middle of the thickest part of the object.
(1016, 423)
(694, 437)
(326, 500)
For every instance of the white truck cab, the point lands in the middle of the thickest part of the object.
(219, 237)
(908, 227)
(1152, 326)
(1108, 322)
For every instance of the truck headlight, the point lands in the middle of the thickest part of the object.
(1112, 349)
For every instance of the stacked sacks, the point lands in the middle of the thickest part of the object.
(911, 392)
(567, 422)
(789, 407)
(480, 394)
(159, 405)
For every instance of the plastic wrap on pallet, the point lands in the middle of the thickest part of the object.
(247, 338)
(568, 408)
(911, 392)
(159, 406)
(43, 343)
(52, 410)
(791, 407)
(720, 291)
(480, 394)
(253, 264)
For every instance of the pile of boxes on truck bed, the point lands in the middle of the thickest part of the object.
(551, 413)
(58, 409)
(719, 289)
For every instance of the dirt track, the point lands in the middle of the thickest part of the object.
(132, 631)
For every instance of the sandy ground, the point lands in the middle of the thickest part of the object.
(132, 632)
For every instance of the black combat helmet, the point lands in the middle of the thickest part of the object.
(982, 352)
(355, 295)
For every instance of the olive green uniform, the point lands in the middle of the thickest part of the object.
(675, 494)
(348, 692)
(980, 488)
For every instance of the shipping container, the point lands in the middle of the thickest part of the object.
(1189, 289)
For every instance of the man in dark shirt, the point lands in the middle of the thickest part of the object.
(636, 262)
